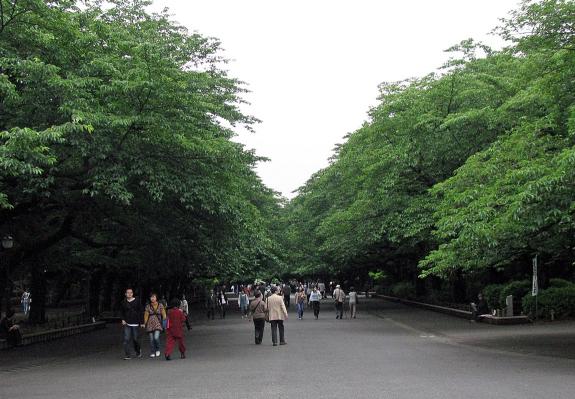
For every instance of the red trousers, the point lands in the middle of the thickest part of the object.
(171, 342)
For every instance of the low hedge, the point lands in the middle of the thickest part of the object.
(492, 293)
(560, 300)
(560, 283)
(403, 290)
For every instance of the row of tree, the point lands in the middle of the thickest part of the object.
(117, 164)
(463, 175)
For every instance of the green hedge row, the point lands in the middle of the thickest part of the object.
(557, 300)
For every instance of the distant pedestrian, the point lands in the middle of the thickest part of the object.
(339, 298)
(185, 308)
(258, 309)
(25, 300)
(243, 302)
(321, 288)
(352, 302)
(287, 295)
(308, 290)
(211, 304)
(315, 298)
(222, 303)
(175, 330)
(131, 320)
(154, 315)
(277, 313)
(300, 300)
(9, 330)
(164, 301)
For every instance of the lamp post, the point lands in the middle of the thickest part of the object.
(7, 243)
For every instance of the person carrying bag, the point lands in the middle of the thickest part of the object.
(259, 315)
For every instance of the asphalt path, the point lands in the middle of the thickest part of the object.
(381, 354)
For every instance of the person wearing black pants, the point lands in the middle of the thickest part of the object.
(277, 313)
(258, 310)
(287, 294)
(132, 319)
(315, 299)
(277, 324)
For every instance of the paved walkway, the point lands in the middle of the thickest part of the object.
(397, 356)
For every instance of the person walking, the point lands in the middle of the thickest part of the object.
(321, 289)
(287, 295)
(258, 309)
(131, 320)
(222, 303)
(315, 298)
(154, 314)
(25, 301)
(243, 302)
(339, 298)
(300, 299)
(211, 304)
(175, 330)
(185, 308)
(277, 313)
(352, 302)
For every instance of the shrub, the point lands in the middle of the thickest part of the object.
(560, 283)
(404, 290)
(559, 299)
(492, 293)
(518, 289)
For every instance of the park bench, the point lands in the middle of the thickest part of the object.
(49, 335)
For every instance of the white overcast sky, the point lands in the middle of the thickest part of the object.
(313, 66)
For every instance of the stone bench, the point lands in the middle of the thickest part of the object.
(506, 320)
(49, 335)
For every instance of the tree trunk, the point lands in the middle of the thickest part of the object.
(94, 285)
(38, 294)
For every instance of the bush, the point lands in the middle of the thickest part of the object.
(518, 289)
(561, 300)
(492, 293)
(560, 283)
(404, 289)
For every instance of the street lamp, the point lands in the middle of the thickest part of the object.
(7, 242)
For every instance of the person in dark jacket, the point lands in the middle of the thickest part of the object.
(223, 302)
(258, 309)
(175, 330)
(10, 331)
(132, 318)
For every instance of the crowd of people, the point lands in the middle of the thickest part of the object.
(258, 302)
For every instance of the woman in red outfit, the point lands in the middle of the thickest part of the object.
(175, 330)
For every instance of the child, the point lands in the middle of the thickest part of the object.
(175, 330)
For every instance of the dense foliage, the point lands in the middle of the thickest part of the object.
(116, 159)
(462, 175)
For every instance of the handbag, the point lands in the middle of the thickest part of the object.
(267, 313)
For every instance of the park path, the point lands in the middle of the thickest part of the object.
(379, 355)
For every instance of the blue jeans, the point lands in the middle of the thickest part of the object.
(154, 341)
(131, 338)
(300, 307)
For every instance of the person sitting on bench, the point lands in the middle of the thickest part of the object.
(479, 309)
(10, 331)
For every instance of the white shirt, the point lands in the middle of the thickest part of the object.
(353, 297)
